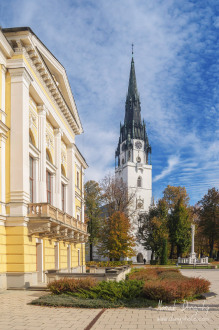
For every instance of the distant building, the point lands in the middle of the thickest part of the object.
(42, 171)
(133, 158)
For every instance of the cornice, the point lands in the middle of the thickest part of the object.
(80, 157)
(5, 46)
(36, 61)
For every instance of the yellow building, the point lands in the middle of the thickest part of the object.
(41, 176)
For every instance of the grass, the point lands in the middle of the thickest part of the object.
(195, 267)
(65, 300)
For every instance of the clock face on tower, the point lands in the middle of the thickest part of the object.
(138, 145)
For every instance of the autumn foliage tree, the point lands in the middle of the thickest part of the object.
(116, 196)
(116, 239)
(93, 200)
(209, 218)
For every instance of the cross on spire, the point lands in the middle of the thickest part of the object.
(132, 49)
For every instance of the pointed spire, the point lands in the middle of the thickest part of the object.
(133, 108)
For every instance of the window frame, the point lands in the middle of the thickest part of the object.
(49, 192)
(31, 178)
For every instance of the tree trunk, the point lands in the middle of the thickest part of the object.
(91, 252)
(171, 251)
(211, 250)
(178, 251)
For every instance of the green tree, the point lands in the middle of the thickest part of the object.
(93, 200)
(209, 218)
(172, 194)
(116, 239)
(180, 227)
(163, 259)
(153, 228)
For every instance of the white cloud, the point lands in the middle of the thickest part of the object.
(176, 58)
(173, 161)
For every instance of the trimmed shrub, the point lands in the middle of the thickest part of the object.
(147, 274)
(108, 263)
(67, 285)
(168, 291)
(113, 291)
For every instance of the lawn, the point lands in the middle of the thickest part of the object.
(144, 287)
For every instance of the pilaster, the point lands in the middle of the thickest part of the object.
(2, 172)
(71, 177)
(42, 161)
(2, 105)
(19, 142)
(58, 135)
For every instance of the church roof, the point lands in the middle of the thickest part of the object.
(134, 127)
(133, 107)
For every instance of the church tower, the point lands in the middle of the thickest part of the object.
(133, 157)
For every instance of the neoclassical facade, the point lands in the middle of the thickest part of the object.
(42, 171)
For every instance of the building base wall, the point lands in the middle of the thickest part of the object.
(3, 282)
(21, 280)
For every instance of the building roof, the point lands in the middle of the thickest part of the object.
(53, 67)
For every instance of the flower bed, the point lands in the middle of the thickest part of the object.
(144, 287)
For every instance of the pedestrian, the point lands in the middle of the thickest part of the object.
(144, 261)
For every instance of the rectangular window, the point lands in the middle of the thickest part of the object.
(31, 179)
(63, 197)
(49, 187)
(78, 179)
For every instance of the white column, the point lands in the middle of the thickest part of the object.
(2, 171)
(82, 194)
(42, 198)
(2, 105)
(58, 134)
(19, 142)
(71, 176)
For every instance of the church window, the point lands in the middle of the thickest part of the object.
(129, 155)
(123, 161)
(138, 159)
(139, 182)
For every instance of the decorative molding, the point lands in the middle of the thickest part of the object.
(20, 73)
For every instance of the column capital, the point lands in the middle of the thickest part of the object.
(70, 146)
(19, 75)
(58, 131)
(42, 110)
(3, 68)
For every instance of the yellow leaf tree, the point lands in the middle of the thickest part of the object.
(117, 242)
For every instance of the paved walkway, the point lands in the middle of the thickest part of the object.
(16, 314)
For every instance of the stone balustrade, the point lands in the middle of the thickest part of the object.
(45, 210)
(192, 261)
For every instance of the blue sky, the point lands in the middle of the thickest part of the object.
(176, 56)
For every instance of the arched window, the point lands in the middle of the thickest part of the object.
(48, 156)
(31, 138)
(139, 181)
(63, 170)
